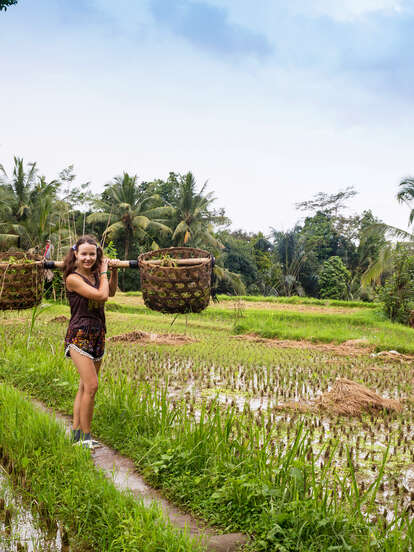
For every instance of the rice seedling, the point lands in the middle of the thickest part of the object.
(21, 525)
(206, 422)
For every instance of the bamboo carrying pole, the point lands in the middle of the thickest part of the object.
(134, 264)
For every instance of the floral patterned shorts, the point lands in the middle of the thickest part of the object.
(89, 342)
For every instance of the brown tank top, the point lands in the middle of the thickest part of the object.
(86, 312)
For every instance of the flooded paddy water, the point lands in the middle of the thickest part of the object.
(22, 529)
(261, 383)
(258, 382)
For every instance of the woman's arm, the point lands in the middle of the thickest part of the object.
(113, 282)
(77, 284)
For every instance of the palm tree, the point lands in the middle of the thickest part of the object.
(14, 196)
(290, 252)
(44, 216)
(18, 189)
(4, 4)
(27, 203)
(131, 211)
(406, 195)
(404, 238)
(193, 219)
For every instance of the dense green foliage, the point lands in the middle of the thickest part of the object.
(328, 254)
(334, 279)
(37, 210)
(139, 216)
(397, 293)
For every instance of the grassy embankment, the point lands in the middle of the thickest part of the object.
(360, 321)
(233, 468)
(66, 486)
(293, 300)
(367, 325)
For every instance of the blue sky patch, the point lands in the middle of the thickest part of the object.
(209, 27)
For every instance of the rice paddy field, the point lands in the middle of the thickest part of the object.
(21, 528)
(229, 413)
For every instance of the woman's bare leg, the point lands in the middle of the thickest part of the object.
(76, 407)
(88, 386)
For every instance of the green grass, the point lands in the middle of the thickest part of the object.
(67, 486)
(368, 325)
(295, 300)
(221, 466)
(233, 468)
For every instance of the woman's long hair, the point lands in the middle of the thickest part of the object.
(69, 262)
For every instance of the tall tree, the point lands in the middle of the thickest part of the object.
(291, 255)
(406, 195)
(369, 244)
(42, 222)
(4, 4)
(319, 236)
(28, 204)
(334, 279)
(193, 219)
(168, 189)
(131, 213)
(18, 188)
(330, 204)
(238, 256)
(387, 254)
(80, 197)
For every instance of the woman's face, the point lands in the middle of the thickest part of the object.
(86, 255)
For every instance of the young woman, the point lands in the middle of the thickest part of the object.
(85, 273)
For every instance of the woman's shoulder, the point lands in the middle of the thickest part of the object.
(78, 281)
(72, 278)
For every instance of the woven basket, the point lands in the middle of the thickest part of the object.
(176, 289)
(21, 285)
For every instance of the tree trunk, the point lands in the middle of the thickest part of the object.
(125, 257)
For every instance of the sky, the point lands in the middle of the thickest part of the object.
(269, 101)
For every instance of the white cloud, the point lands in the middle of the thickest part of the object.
(267, 13)
(347, 10)
(128, 97)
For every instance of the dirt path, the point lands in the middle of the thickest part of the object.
(121, 471)
(263, 305)
(138, 336)
(347, 348)
(250, 305)
(353, 346)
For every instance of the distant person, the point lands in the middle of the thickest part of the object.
(85, 273)
(47, 255)
(49, 249)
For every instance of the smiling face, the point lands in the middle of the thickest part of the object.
(86, 256)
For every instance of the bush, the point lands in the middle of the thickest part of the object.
(334, 279)
(397, 294)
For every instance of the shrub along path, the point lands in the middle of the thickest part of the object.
(122, 471)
